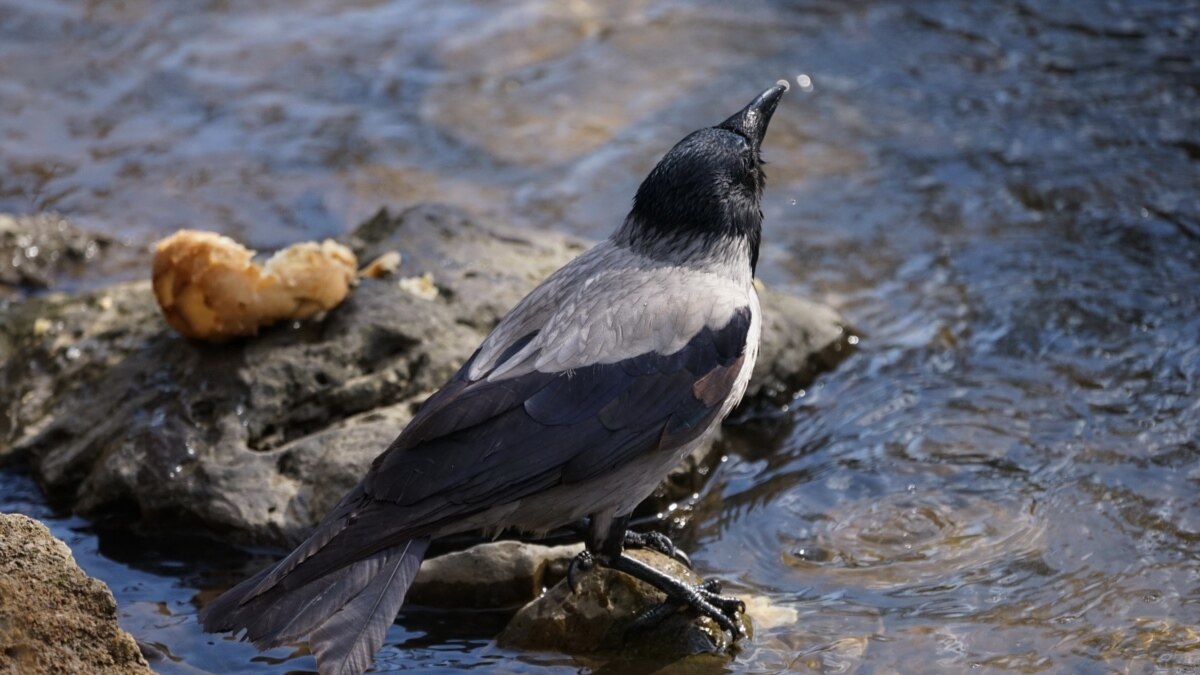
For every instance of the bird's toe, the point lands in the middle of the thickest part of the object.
(580, 563)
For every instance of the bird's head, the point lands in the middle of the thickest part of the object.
(702, 200)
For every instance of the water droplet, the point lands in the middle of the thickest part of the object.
(72, 353)
(793, 201)
(853, 340)
(32, 252)
(805, 82)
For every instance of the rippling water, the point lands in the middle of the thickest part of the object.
(1003, 197)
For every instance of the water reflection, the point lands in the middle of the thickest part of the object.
(1001, 196)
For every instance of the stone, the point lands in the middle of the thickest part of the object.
(54, 618)
(800, 340)
(34, 250)
(492, 575)
(593, 622)
(596, 617)
(254, 440)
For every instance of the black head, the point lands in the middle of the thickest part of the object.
(708, 187)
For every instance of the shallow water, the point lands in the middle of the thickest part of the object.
(1003, 197)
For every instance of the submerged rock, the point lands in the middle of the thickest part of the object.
(256, 439)
(54, 618)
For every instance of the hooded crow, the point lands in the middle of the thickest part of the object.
(579, 402)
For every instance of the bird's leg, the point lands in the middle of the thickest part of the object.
(585, 559)
(607, 548)
(652, 540)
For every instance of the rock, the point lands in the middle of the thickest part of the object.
(53, 617)
(35, 249)
(511, 574)
(484, 269)
(46, 250)
(492, 575)
(594, 619)
(255, 440)
(800, 340)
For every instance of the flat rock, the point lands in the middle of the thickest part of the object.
(492, 575)
(256, 439)
(54, 618)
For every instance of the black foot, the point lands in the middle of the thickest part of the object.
(656, 541)
(580, 563)
(704, 598)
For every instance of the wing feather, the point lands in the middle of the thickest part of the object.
(479, 444)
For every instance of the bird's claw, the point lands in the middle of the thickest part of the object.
(706, 599)
(728, 605)
(580, 563)
(712, 590)
(656, 541)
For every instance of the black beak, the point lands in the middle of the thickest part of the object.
(752, 120)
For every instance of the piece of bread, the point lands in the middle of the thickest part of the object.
(210, 288)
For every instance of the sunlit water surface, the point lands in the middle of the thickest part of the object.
(1002, 197)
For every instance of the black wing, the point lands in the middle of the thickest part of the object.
(474, 445)
(477, 441)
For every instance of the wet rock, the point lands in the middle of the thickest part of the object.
(511, 574)
(53, 617)
(257, 439)
(35, 249)
(800, 340)
(496, 574)
(596, 617)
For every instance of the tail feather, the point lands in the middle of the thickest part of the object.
(305, 611)
(346, 643)
(346, 612)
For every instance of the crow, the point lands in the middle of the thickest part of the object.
(575, 406)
